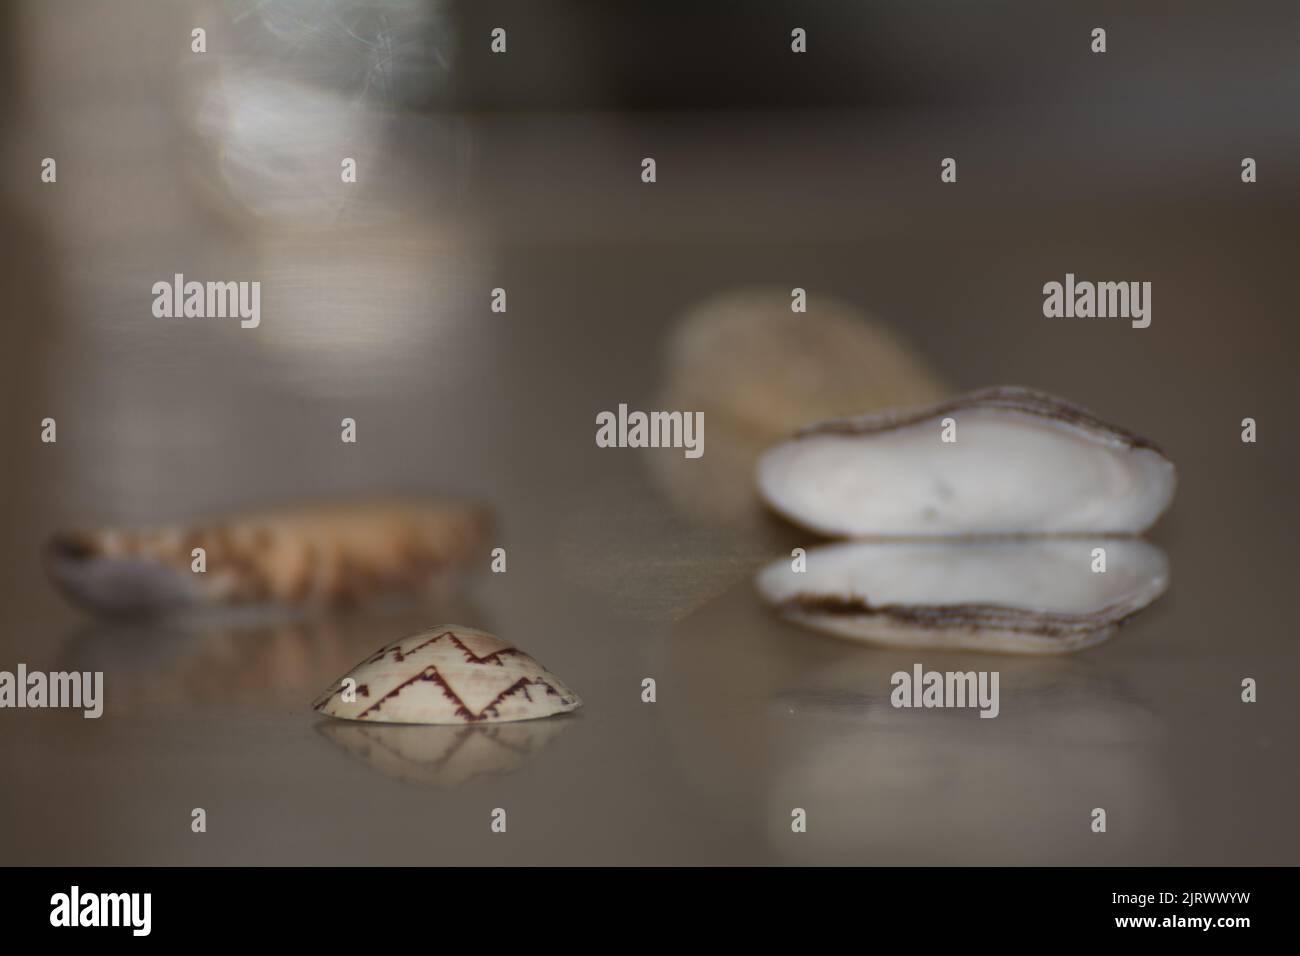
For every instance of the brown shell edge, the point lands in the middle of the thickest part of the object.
(974, 616)
(1008, 397)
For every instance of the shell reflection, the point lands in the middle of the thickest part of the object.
(442, 757)
(807, 722)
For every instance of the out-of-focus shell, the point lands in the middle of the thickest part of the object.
(323, 555)
(746, 356)
(759, 371)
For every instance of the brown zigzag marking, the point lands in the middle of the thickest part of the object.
(362, 689)
(493, 658)
(522, 684)
(430, 673)
(462, 710)
(470, 658)
(399, 655)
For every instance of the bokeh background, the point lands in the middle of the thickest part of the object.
(522, 171)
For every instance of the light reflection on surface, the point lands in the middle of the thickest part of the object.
(609, 580)
(801, 720)
(217, 661)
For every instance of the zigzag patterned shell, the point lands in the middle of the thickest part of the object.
(448, 675)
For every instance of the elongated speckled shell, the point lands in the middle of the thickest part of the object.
(447, 675)
(320, 555)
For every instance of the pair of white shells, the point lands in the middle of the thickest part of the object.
(1017, 508)
(447, 675)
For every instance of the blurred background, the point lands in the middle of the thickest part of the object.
(522, 171)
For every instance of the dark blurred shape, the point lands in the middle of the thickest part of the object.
(895, 54)
(572, 55)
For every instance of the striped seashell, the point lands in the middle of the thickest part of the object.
(447, 675)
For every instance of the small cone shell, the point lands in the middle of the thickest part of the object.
(447, 675)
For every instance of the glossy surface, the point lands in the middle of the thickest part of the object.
(611, 576)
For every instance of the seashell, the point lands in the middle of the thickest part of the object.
(448, 675)
(324, 555)
(746, 356)
(759, 371)
(1016, 596)
(1023, 462)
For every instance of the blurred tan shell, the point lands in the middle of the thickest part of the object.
(758, 372)
(447, 675)
(692, 528)
(747, 356)
(324, 555)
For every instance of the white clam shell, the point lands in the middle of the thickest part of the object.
(1011, 596)
(1023, 462)
(448, 675)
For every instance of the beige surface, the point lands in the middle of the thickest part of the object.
(609, 582)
